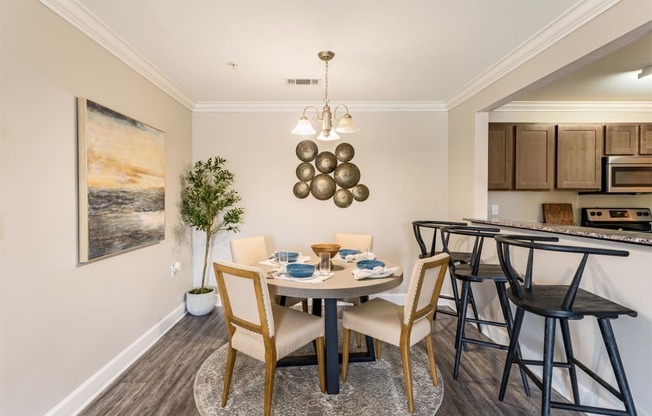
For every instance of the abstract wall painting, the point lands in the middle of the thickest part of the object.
(121, 182)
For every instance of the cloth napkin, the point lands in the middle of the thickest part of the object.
(273, 262)
(356, 257)
(316, 278)
(377, 271)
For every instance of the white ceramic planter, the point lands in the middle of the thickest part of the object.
(199, 305)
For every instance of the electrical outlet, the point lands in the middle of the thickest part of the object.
(494, 209)
(175, 268)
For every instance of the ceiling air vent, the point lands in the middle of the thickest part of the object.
(302, 81)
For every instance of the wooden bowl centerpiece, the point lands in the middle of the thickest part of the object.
(325, 248)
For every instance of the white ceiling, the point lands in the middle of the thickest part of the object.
(385, 50)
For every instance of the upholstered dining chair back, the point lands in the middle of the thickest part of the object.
(245, 297)
(424, 288)
(355, 241)
(248, 250)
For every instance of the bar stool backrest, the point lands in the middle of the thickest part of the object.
(434, 225)
(533, 243)
(477, 233)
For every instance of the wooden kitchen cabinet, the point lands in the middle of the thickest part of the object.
(621, 139)
(501, 156)
(645, 142)
(579, 156)
(534, 157)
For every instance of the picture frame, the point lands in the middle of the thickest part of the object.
(121, 182)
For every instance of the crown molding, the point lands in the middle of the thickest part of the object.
(80, 17)
(593, 106)
(296, 106)
(567, 23)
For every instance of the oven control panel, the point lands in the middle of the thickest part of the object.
(617, 214)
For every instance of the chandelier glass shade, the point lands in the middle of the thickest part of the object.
(326, 118)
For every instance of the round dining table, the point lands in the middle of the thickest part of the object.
(341, 285)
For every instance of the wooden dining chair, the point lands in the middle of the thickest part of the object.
(253, 249)
(359, 242)
(402, 326)
(261, 329)
(355, 241)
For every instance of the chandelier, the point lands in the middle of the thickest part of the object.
(327, 119)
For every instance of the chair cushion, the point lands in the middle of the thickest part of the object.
(383, 320)
(294, 329)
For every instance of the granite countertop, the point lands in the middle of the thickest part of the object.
(599, 233)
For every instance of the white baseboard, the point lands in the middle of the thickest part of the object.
(76, 401)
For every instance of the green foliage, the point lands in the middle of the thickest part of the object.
(208, 201)
(200, 290)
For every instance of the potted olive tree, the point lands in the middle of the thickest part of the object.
(208, 204)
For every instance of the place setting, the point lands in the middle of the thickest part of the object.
(372, 269)
(292, 267)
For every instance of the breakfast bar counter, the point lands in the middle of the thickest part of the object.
(631, 237)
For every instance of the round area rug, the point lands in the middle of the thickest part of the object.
(372, 388)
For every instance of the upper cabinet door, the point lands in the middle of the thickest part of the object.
(621, 139)
(501, 156)
(645, 147)
(534, 156)
(579, 156)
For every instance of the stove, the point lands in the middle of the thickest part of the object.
(626, 219)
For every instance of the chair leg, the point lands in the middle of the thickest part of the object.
(474, 308)
(466, 286)
(377, 343)
(548, 354)
(270, 370)
(617, 364)
(230, 362)
(513, 345)
(509, 322)
(407, 373)
(431, 359)
(346, 339)
(568, 349)
(321, 364)
(358, 340)
(304, 305)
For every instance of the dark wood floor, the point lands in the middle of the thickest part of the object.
(161, 381)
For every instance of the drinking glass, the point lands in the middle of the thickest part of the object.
(324, 263)
(282, 261)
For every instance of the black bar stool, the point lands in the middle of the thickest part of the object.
(561, 303)
(477, 272)
(461, 257)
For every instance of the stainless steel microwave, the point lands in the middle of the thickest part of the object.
(626, 174)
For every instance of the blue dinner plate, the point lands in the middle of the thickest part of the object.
(300, 269)
(348, 252)
(369, 264)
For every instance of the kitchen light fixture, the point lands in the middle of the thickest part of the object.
(345, 124)
(645, 72)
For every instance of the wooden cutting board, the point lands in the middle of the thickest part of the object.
(561, 214)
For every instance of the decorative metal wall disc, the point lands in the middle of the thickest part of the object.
(301, 190)
(307, 150)
(322, 187)
(360, 192)
(347, 175)
(343, 198)
(344, 152)
(305, 172)
(326, 162)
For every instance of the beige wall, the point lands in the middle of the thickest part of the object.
(467, 143)
(402, 157)
(62, 322)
